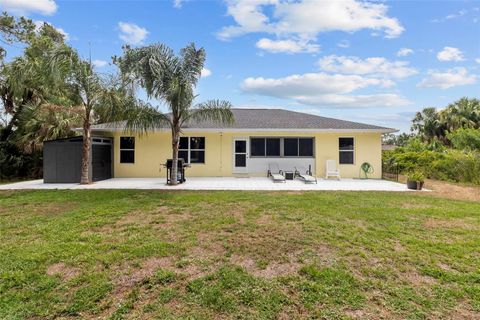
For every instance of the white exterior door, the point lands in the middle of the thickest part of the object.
(240, 155)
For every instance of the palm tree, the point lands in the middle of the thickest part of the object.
(170, 79)
(24, 81)
(464, 113)
(46, 122)
(427, 124)
(89, 92)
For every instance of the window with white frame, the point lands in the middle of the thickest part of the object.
(346, 148)
(127, 149)
(192, 149)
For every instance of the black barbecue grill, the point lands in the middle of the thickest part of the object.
(181, 165)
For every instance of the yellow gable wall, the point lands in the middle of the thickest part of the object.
(152, 150)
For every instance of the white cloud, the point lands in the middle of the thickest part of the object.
(357, 101)
(310, 84)
(44, 7)
(344, 44)
(458, 14)
(375, 66)
(99, 63)
(444, 80)
(179, 3)
(477, 60)
(39, 24)
(450, 54)
(287, 46)
(307, 18)
(455, 15)
(403, 52)
(132, 33)
(206, 73)
(322, 89)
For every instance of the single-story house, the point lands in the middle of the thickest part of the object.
(245, 148)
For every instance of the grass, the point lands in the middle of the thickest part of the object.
(237, 255)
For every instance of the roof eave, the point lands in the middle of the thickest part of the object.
(330, 130)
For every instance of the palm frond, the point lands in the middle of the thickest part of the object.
(63, 60)
(193, 61)
(214, 110)
(152, 67)
(142, 118)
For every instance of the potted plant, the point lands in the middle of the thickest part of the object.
(415, 180)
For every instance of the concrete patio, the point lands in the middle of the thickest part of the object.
(217, 183)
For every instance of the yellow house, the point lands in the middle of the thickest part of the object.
(257, 139)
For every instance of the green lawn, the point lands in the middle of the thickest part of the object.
(243, 255)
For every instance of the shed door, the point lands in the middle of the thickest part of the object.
(101, 162)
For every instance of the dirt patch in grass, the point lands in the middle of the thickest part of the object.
(41, 209)
(417, 279)
(126, 277)
(6, 193)
(398, 247)
(267, 243)
(62, 270)
(433, 223)
(142, 218)
(463, 311)
(207, 251)
(449, 190)
(413, 205)
(453, 190)
(271, 270)
(146, 269)
(444, 266)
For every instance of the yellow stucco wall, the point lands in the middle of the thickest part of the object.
(153, 149)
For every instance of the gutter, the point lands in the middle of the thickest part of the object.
(219, 130)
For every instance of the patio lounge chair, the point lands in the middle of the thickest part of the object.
(332, 170)
(275, 173)
(307, 177)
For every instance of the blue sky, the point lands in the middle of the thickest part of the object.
(374, 62)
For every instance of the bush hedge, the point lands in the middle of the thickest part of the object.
(447, 164)
(16, 165)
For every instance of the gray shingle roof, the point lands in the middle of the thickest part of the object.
(270, 119)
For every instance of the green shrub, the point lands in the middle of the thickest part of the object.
(14, 164)
(465, 139)
(416, 175)
(448, 164)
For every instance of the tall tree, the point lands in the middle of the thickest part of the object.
(463, 113)
(14, 30)
(25, 81)
(92, 95)
(427, 125)
(171, 79)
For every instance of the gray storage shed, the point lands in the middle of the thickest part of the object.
(62, 160)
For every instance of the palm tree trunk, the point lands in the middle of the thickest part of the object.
(175, 143)
(86, 147)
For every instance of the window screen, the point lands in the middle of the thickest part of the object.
(347, 150)
(290, 147)
(305, 147)
(257, 147)
(273, 147)
(127, 149)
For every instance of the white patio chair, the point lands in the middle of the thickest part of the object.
(275, 173)
(332, 170)
(305, 175)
